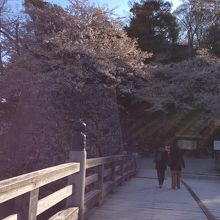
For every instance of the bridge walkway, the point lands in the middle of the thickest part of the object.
(141, 198)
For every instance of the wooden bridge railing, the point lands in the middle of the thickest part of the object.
(109, 173)
(89, 181)
(25, 189)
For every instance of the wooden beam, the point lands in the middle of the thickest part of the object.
(78, 180)
(33, 201)
(92, 198)
(100, 182)
(26, 205)
(98, 161)
(19, 185)
(107, 187)
(107, 172)
(11, 217)
(54, 198)
(91, 179)
(117, 168)
(68, 214)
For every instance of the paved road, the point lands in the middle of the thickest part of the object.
(140, 198)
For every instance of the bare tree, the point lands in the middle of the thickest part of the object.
(10, 39)
(2, 9)
(194, 18)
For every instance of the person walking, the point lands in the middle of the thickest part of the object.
(161, 164)
(176, 163)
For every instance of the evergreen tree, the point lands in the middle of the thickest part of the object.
(153, 25)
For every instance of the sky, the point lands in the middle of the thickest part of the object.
(121, 6)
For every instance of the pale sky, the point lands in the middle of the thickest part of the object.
(122, 8)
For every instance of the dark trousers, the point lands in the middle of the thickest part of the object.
(160, 175)
(175, 174)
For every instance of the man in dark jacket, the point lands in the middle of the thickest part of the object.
(176, 163)
(161, 164)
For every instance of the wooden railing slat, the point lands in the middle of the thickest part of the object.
(91, 179)
(25, 188)
(14, 187)
(102, 160)
(11, 217)
(91, 195)
(46, 171)
(117, 168)
(98, 161)
(54, 198)
(107, 172)
(68, 214)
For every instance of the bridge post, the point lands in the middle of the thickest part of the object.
(124, 153)
(125, 170)
(134, 164)
(26, 205)
(113, 176)
(101, 169)
(78, 180)
(121, 172)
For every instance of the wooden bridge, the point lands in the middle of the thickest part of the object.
(86, 183)
(89, 181)
(141, 198)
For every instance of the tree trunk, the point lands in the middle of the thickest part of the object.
(1, 61)
(190, 44)
(17, 39)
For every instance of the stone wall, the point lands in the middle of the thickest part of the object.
(42, 128)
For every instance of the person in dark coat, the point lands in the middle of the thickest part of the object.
(176, 163)
(161, 164)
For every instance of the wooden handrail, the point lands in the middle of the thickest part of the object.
(103, 160)
(112, 170)
(98, 161)
(19, 185)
